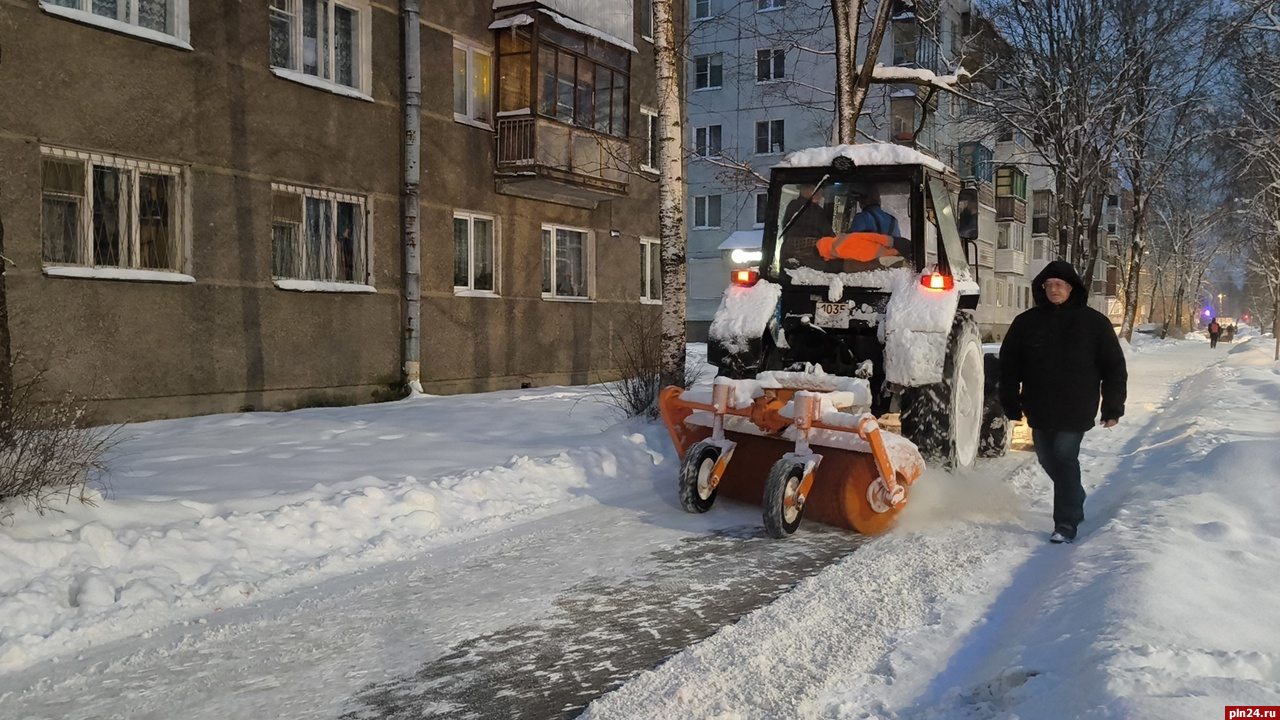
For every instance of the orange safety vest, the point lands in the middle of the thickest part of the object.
(859, 246)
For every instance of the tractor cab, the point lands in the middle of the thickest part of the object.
(845, 226)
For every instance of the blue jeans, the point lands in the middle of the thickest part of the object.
(1059, 455)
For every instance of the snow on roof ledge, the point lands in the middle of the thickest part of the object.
(862, 154)
(513, 21)
(588, 30)
(526, 19)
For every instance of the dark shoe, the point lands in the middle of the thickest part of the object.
(1062, 534)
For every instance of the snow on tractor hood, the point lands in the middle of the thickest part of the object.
(917, 326)
(861, 154)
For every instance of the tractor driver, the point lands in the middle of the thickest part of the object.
(871, 218)
(806, 220)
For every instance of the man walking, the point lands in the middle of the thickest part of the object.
(1058, 360)
(1215, 332)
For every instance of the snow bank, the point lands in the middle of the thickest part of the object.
(219, 511)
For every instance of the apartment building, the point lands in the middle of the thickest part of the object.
(760, 85)
(203, 201)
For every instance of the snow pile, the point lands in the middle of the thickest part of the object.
(744, 314)
(864, 154)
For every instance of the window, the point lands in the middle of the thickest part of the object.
(649, 161)
(584, 81)
(1026, 297)
(515, 68)
(706, 211)
(162, 20)
(763, 5)
(902, 118)
(650, 270)
(701, 9)
(973, 161)
(321, 39)
(999, 293)
(646, 19)
(708, 72)
(471, 84)
(1010, 296)
(771, 64)
(317, 235)
(1011, 182)
(1042, 210)
(762, 208)
(706, 141)
(566, 268)
(769, 137)
(473, 252)
(105, 211)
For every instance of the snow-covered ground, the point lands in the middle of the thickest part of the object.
(1164, 607)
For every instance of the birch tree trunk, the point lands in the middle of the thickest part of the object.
(671, 195)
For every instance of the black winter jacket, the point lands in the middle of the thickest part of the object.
(1057, 360)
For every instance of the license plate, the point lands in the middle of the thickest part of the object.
(831, 315)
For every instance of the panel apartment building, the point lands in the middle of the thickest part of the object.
(203, 201)
(760, 84)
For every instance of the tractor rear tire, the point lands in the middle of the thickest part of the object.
(997, 430)
(696, 493)
(781, 520)
(944, 419)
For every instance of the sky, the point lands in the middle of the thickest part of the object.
(283, 563)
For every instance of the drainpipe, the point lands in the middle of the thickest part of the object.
(412, 335)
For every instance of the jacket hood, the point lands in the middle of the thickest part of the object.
(1061, 270)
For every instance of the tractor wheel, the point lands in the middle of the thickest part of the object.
(696, 493)
(944, 419)
(781, 518)
(997, 430)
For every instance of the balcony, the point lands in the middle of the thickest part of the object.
(1013, 262)
(1043, 224)
(542, 159)
(986, 254)
(1011, 208)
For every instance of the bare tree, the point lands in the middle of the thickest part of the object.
(1171, 52)
(851, 86)
(1060, 85)
(1256, 140)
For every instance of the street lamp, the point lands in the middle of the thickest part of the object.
(1220, 296)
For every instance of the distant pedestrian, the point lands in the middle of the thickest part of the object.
(1215, 332)
(1058, 360)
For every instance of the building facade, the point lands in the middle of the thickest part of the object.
(203, 200)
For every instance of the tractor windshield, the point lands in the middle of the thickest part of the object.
(867, 226)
